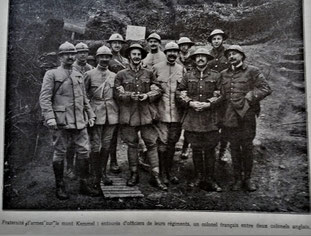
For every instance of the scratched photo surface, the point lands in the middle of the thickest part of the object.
(271, 36)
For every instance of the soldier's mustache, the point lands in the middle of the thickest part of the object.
(172, 56)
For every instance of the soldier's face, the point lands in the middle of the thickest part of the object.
(82, 56)
(68, 58)
(184, 48)
(116, 46)
(153, 44)
(201, 60)
(135, 56)
(103, 60)
(171, 55)
(217, 41)
(234, 57)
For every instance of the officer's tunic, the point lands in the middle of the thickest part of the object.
(242, 88)
(82, 68)
(135, 115)
(220, 62)
(99, 84)
(154, 58)
(168, 75)
(118, 63)
(63, 98)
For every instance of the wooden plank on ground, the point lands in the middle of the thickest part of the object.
(119, 189)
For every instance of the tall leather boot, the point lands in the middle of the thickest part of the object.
(210, 159)
(197, 157)
(96, 172)
(169, 164)
(114, 167)
(85, 185)
(104, 154)
(70, 170)
(185, 150)
(58, 167)
(237, 168)
(162, 165)
(248, 167)
(132, 155)
(156, 180)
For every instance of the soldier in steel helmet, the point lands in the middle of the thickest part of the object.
(155, 55)
(184, 59)
(82, 66)
(199, 94)
(116, 63)
(168, 73)
(242, 87)
(136, 91)
(80, 63)
(99, 84)
(216, 39)
(67, 112)
(219, 63)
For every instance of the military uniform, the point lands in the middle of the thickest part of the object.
(82, 67)
(118, 63)
(137, 115)
(169, 114)
(242, 89)
(201, 127)
(154, 58)
(99, 84)
(63, 99)
(220, 62)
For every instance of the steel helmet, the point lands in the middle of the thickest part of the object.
(171, 46)
(136, 46)
(103, 50)
(215, 32)
(154, 36)
(66, 47)
(82, 47)
(185, 40)
(116, 37)
(202, 51)
(235, 48)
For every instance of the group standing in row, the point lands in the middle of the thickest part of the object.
(212, 95)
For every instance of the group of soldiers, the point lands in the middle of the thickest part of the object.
(149, 98)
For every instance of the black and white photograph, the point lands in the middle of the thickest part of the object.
(175, 106)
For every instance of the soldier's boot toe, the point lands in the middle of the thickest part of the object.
(115, 168)
(61, 192)
(158, 184)
(249, 185)
(87, 189)
(107, 180)
(174, 180)
(133, 180)
(237, 185)
(198, 180)
(213, 186)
